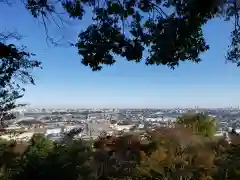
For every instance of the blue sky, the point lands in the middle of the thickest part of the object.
(65, 82)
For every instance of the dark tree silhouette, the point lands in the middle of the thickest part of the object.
(171, 31)
(15, 70)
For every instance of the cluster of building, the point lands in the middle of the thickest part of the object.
(55, 124)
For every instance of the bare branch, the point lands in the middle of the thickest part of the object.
(4, 36)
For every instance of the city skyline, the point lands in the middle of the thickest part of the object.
(62, 106)
(65, 81)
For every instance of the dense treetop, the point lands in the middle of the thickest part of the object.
(170, 30)
(201, 123)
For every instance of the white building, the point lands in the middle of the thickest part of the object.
(124, 127)
(141, 126)
(69, 128)
(53, 131)
(55, 137)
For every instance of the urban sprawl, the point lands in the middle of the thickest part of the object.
(55, 123)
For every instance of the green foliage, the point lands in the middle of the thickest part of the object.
(171, 31)
(7, 158)
(200, 123)
(4, 151)
(44, 159)
(16, 65)
(159, 156)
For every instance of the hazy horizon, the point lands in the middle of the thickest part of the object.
(124, 107)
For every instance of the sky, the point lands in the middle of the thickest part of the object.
(65, 82)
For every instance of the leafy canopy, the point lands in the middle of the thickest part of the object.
(170, 30)
(199, 123)
(161, 155)
(16, 65)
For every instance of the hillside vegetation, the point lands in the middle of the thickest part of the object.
(163, 154)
